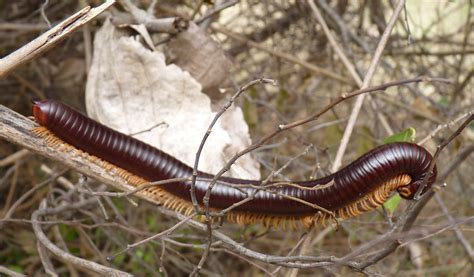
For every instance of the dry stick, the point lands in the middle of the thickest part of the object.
(10, 272)
(300, 242)
(9, 26)
(82, 263)
(215, 10)
(45, 260)
(61, 180)
(13, 158)
(13, 185)
(26, 195)
(359, 92)
(367, 79)
(50, 38)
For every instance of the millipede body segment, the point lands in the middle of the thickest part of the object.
(362, 185)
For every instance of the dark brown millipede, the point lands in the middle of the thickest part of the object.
(363, 185)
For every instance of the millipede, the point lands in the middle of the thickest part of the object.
(361, 186)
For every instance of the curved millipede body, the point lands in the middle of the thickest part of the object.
(362, 185)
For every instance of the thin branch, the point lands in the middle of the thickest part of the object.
(154, 237)
(10, 272)
(459, 235)
(170, 25)
(82, 263)
(215, 10)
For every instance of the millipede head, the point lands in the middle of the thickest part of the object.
(409, 191)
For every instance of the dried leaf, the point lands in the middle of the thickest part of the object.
(131, 89)
(197, 53)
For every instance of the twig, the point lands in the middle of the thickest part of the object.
(215, 10)
(45, 260)
(13, 158)
(82, 263)
(50, 38)
(43, 13)
(459, 235)
(444, 126)
(26, 195)
(171, 25)
(10, 272)
(154, 237)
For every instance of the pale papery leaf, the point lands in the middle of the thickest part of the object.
(131, 89)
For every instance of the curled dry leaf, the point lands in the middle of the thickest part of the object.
(194, 51)
(131, 89)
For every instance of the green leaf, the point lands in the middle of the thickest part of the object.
(408, 134)
(16, 268)
(392, 203)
